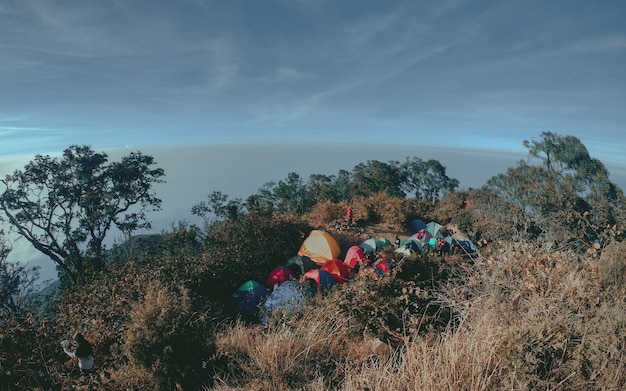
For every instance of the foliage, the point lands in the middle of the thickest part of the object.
(65, 206)
(165, 335)
(249, 248)
(568, 198)
(427, 180)
(218, 207)
(18, 284)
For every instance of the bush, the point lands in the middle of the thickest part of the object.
(165, 336)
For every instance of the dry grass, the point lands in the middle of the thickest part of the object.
(524, 320)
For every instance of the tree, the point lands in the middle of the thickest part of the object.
(291, 195)
(377, 177)
(569, 196)
(427, 179)
(65, 206)
(219, 206)
(17, 283)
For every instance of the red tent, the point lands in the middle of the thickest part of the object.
(323, 279)
(354, 256)
(279, 275)
(338, 269)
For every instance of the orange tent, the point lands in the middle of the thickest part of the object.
(320, 246)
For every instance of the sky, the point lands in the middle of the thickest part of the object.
(488, 74)
(230, 94)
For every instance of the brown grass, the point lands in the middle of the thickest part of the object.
(524, 320)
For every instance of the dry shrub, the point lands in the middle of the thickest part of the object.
(556, 328)
(613, 268)
(385, 209)
(161, 336)
(287, 355)
(326, 213)
(461, 358)
(132, 378)
(248, 249)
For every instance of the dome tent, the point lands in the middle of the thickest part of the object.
(354, 256)
(416, 225)
(320, 246)
(437, 230)
(247, 298)
(301, 264)
(413, 244)
(279, 275)
(369, 246)
(323, 279)
(338, 269)
(383, 242)
(288, 296)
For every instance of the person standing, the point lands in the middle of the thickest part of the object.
(349, 216)
(83, 352)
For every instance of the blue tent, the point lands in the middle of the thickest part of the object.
(290, 295)
(416, 225)
(247, 298)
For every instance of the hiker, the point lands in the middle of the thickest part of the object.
(83, 352)
(397, 241)
(349, 216)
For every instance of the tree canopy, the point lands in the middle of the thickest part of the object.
(569, 192)
(64, 206)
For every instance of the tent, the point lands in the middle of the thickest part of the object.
(323, 279)
(422, 235)
(381, 267)
(279, 275)
(248, 297)
(301, 264)
(320, 246)
(413, 244)
(405, 251)
(369, 246)
(383, 242)
(416, 225)
(338, 269)
(290, 295)
(354, 256)
(437, 230)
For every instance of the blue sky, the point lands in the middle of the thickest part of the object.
(481, 74)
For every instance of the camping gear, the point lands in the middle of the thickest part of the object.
(381, 267)
(354, 256)
(423, 235)
(301, 264)
(369, 246)
(279, 275)
(288, 296)
(338, 269)
(383, 242)
(323, 279)
(320, 246)
(406, 251)
(248, 297)
(437, 230)
(413, 244)
(432, 243)
(416, 225)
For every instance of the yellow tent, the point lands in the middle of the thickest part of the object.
(320, 246)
